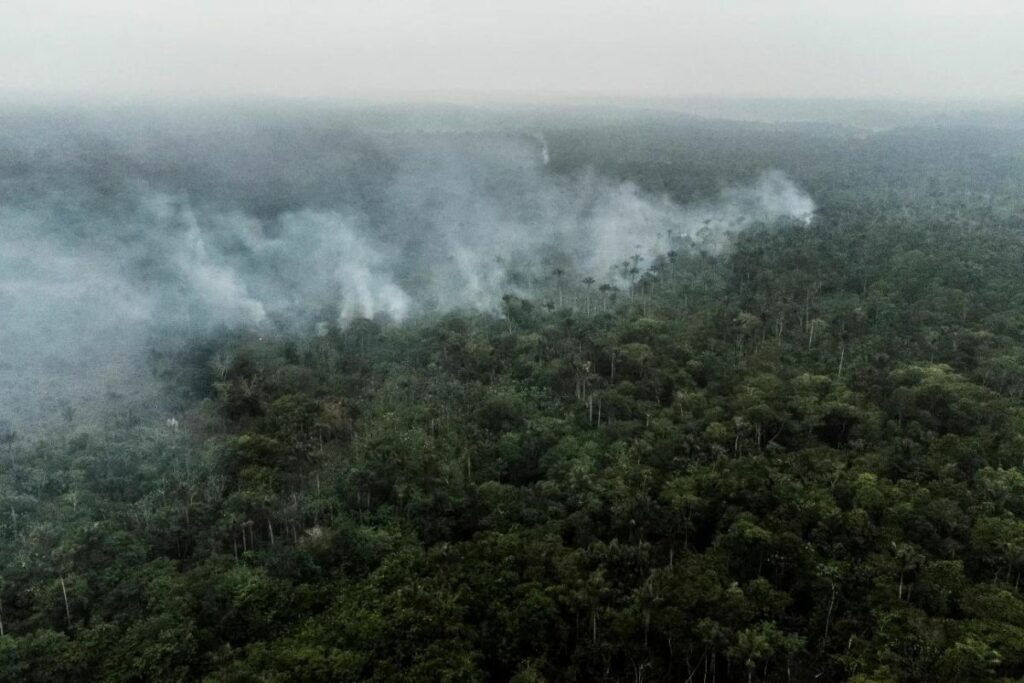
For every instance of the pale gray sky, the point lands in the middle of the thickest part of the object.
(904, 49)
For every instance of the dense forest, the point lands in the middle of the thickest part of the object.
(798, 458)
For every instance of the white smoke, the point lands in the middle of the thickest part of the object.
(215, 286)
(105, 241)
(320, 256)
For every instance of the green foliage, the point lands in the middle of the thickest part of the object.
(799, 459)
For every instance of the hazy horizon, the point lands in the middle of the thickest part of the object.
(115, 50)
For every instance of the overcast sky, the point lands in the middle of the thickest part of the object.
(194, 49)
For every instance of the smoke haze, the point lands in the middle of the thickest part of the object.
(116, 230)
(654, 48)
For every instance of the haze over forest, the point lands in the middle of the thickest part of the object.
(494, 341)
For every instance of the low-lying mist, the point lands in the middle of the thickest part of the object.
(116, 229)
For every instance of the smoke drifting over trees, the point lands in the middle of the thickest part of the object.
(114, 229)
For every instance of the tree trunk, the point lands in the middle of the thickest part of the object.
(831, 605)
(67, 607)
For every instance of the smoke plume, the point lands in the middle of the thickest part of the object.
(116, 229)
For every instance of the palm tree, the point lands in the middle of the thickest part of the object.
(589, 282)
(559, 273)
